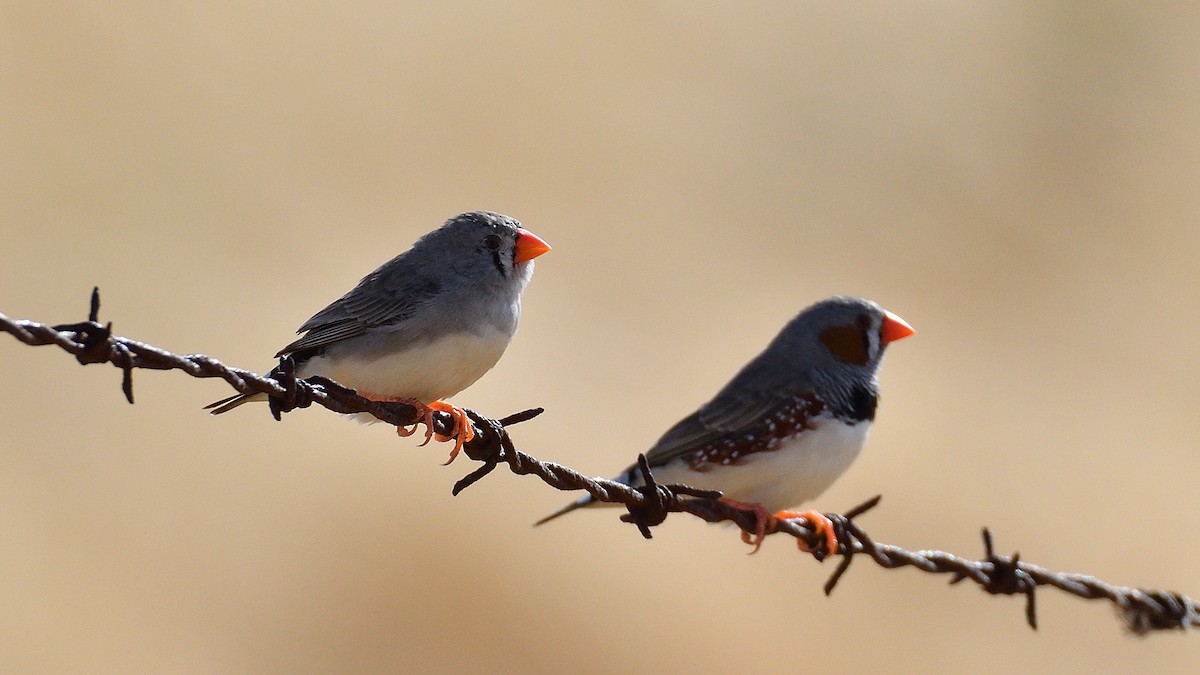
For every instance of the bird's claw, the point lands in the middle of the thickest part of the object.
(822, 527)
(461, 433)
(765, 523)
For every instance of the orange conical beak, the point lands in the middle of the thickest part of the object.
(529, 245)
(894, 328)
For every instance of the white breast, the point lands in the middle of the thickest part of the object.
(801, 468)
(426, 372)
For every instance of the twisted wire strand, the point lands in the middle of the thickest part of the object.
(1142, 611)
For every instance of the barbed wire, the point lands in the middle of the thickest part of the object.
(1142, 611)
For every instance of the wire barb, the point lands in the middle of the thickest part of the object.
(1142, 611)
(842, 524)
(657, 502)
(1007, 578)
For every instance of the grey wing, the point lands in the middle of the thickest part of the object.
(386, 296)
(729, 413)
(736, 408)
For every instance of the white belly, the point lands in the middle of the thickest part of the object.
(426, 372)
(803, 467)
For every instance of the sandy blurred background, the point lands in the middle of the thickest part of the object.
(1018, 181)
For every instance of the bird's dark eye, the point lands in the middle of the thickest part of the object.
(491, 242)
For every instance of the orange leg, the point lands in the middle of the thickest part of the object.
(765, 522)
(423, 412)
(822, 525)
(460, 434)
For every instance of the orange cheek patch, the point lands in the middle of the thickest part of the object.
(848, 343)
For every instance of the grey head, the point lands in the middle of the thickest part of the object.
(833, 347)
(467, 273)
(479, 247)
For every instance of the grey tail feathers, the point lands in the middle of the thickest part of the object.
(577, 504)
(227, 404)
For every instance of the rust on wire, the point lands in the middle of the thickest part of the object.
(1142, 611)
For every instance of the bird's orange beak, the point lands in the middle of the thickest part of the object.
(529, 246)
(894, 328)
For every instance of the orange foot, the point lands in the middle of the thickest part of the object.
(461, 433)
(765, 522)
(820, 524)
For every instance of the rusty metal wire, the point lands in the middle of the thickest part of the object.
(1142, 611)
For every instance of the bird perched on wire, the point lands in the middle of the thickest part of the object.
(426, 324)
(789, 424)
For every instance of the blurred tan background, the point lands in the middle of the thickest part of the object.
(1019, 181)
